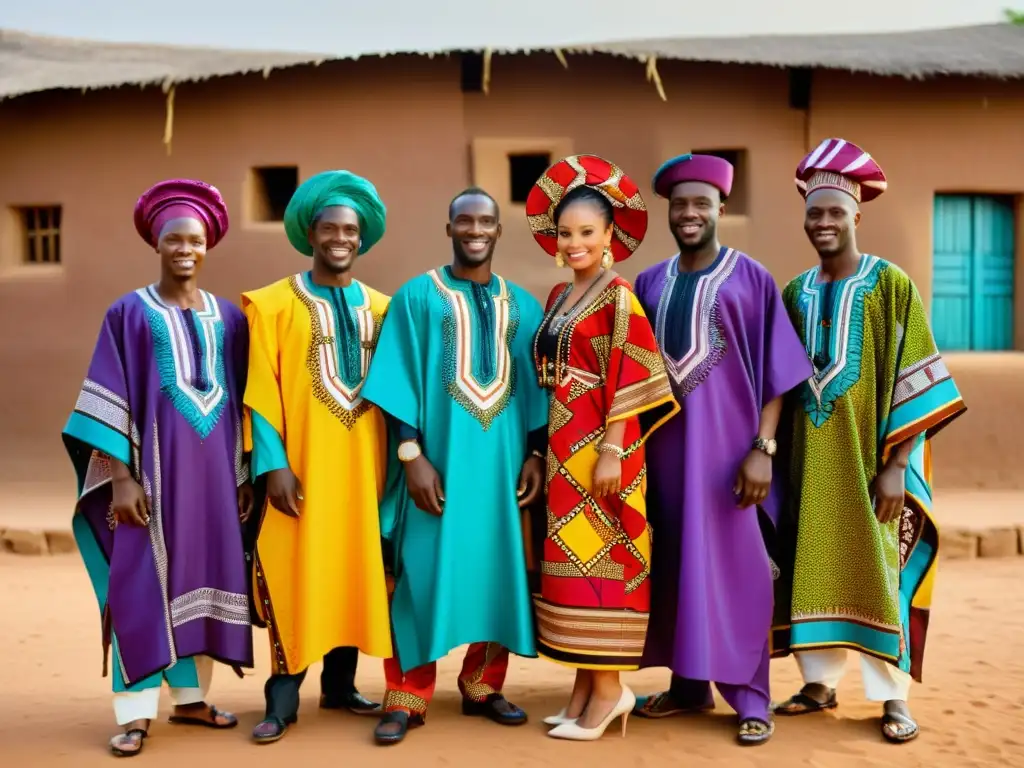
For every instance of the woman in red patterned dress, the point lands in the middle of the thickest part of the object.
(597, 355)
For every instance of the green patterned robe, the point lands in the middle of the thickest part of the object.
(878, 381)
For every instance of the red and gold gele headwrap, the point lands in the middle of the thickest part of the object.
(629, 213)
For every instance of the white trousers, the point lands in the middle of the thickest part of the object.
(882, 681)
(143, 705)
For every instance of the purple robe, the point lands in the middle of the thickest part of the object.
(164, 395)
(729, 348)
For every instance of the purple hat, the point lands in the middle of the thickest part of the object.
(838, 164)
(181, 199)
(706, 168)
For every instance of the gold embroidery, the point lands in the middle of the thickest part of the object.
(649, 359)
(585, 535)
(620, 331)
(484, 402)
(637, 483)
(472, 688)
(606, 568)
(558, 417)
(586, 440)
(344, 404)
(602, 346)
(552, 468)
(404, 700)
(578, 389)
(627, 240)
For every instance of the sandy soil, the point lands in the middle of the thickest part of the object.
(55, 708)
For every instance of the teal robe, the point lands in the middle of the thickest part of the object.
(455, 362)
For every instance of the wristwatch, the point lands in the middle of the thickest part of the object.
(409, 450)
(766, 445)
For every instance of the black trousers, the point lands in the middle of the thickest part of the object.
(337, 680)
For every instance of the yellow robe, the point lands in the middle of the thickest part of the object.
(319, 578)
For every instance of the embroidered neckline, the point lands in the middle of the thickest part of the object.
(707, 337)
(461, 282)
(343, 400)
(556, 370)
(353, 298)
(845, 338)
(180, 364)
(482, 400)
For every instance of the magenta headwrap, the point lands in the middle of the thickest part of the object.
(839, 164)
(706, 168)
(181, 199)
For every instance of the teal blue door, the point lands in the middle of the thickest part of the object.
(973, 272)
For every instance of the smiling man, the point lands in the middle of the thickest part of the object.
(319, 575)
(864, 539)
(731, 354)
(156, 442)
(453, 371)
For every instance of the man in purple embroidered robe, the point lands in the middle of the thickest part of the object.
(731, 353)
(155, 439)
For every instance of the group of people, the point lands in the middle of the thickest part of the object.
(724, 473)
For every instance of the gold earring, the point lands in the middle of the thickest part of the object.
(607, 260)
(559, 261)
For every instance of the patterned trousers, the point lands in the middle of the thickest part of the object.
(483, 674)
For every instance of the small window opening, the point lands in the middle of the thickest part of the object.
(524, 170)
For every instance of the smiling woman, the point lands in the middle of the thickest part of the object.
(596, 354)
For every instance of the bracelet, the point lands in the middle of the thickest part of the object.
(609, 448)
(538, 454)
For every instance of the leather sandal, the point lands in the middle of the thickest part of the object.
(754, 731)
(662, 704)
(906, 729)
(231, 720)
(802, 704)
(135, 737)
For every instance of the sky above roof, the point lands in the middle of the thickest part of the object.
(345, 27)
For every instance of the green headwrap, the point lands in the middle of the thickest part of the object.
(334, 188)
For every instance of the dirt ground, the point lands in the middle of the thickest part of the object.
(55, 708)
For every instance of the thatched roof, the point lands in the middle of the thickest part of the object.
(992, 50)
(31, 63)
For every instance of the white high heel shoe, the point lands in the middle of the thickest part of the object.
(573, 732)
(558, 719)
